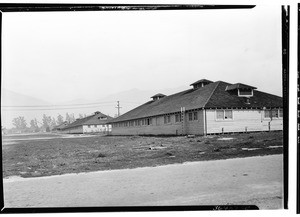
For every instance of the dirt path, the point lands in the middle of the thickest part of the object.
(253, 180)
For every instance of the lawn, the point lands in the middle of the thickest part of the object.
(27, 156)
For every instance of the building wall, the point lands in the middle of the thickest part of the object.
(74, 130)
(243, 120)
(158, 127)
(195, 127)
(89, 129)
(101, 128)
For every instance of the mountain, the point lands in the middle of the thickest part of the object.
(10, 98)
(134, 97)
(108, 105)
(9, 101)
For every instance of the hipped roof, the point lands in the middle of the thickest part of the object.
(213, 95)
(201, 81)
(61, 126)
(90, 120)
(239, 86)
(158, 95)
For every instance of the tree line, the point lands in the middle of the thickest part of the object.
(46, 124)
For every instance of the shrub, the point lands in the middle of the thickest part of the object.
(101, 155)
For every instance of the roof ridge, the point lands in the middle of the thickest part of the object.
(218, 82)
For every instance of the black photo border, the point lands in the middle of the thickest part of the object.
(37, 7)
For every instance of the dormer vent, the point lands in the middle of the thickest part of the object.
(247, 100)
(242, 90)
(158, 96)
(200, 83)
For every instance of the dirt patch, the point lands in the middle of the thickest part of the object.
(228, 138)
(34, 158)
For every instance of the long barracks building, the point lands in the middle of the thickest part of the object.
(208, 108)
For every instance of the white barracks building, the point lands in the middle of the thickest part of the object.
(208, 108)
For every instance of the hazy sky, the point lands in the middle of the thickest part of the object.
(61, 56)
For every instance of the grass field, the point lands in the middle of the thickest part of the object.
(49, 154)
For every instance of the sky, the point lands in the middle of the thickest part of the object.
(63, 56)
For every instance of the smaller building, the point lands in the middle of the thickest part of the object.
(96, 123)
(59, 127)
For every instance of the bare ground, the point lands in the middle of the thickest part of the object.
(36, 155)
(240, 181)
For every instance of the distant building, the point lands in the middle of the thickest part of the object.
(96, 123)
(60, 127)
(208, 108)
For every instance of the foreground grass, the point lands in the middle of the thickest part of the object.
(33, 158)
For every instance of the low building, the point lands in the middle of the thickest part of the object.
(60, 127)
(96, 123)
(208, 108)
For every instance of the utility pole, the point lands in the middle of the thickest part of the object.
(118, 107)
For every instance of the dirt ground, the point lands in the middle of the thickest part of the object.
(37, 155)
(240, 181)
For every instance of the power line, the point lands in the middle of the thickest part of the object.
(46, 106)
(49, 109)
(39, 109)
(35, 106)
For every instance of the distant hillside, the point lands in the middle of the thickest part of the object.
(135, 97)
(128, 100)
(10, 98)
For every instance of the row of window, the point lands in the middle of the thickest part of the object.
(141, 122)
(278, 113)
(89, 126)
(192, 116)
(226, 114)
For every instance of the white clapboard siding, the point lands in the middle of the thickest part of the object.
(96, 128)
(243, 120)
(195, 127)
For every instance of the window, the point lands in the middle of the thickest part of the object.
(267, 113)
(195, 115)
(167, 119)
(245, 92)
(273, 113)
(95, 125)
(89, 126)
(190, 116)
(149, 121)
(228, 114)
(177, 118)
(224, 115)
(220, 114)
(157, 121)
